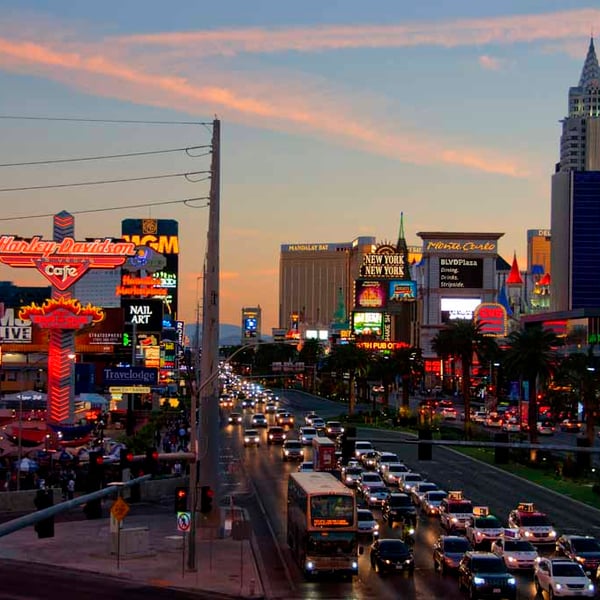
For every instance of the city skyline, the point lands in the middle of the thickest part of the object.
(335, 120)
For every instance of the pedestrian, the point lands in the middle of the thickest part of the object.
(71, 488)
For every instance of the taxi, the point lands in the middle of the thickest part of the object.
(484, 527)
(533, 525)
(516, 553)
(456, 512)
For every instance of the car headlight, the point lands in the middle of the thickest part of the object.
(246, 439)
(590, 587)
(511, 559)
(454, 520)
(376, 526)
(271, 436)
(478, 580)
(528, 534)
(580, 559)
(373, 498)
(387, 561)
(512, 581)
(558, 586)
(552, 533)
(354, 565)
(310, 565)
(342, 430)
(286, 452)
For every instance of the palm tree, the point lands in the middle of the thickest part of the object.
(353, 360)
(580, 370)
(310, 354)
(530, 355)
(383, 368)
(409, 363)
(462, 339)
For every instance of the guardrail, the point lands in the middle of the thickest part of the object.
(40, 515)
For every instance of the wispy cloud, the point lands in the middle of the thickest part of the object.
(501, 30)
(490, 63)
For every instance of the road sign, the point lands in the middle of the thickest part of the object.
(119, 509)
(130, 389)
(184, 521)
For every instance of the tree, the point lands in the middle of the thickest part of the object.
(353, 360)
(409, 364)
(461, 339)
(311, 354)
(384, 369)
(530, 355)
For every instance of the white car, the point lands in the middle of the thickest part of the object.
(366, 522)
(483, 528)
(420, 490)
(407, 481)
(516, 553)
(386, 458)
(392, 471)
(430, 503)
(375, 494)
(251, 438)
(562, 577)
(512, 426)
(306, 435)
(259, 420)
(362, 447)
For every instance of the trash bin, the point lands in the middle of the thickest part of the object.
(425, 449)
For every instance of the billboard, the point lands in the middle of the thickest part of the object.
(129, 376)
(492, 319)
(106, 332)
(143, 314)
(458, 308)
(162, 237)
(367, 323)
(401, 290)
(460, 272)
(370, 294)
(384, 266)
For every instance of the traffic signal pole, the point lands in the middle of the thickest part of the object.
(207, 450)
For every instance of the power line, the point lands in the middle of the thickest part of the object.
(104, 181)
(187, 150)
(187, 202)
(113, 121)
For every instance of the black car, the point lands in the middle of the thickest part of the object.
(484, 575)
(448, 551)
(583, 549)
(391, 556)
(398, 508)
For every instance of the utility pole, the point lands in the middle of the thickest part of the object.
(206, 470)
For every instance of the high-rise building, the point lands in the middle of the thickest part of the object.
(580, 139)
(310, 277)
(575, 220)
(538, 251)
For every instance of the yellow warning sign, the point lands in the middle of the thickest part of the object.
(119, 509)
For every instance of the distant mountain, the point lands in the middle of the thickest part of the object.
(229, 335)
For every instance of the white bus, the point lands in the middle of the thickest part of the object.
(322, 524)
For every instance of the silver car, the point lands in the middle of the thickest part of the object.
(367, 524)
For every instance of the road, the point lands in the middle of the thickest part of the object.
(484, 484)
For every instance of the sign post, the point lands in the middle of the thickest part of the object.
(118, 512)
(184, 524)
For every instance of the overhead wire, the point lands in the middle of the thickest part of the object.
(114, 121)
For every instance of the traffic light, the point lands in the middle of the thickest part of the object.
(151, 462)
(181, 499)
(44, 499)
(125, 459)
(206, 499)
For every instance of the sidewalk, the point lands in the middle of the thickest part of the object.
(226, 567)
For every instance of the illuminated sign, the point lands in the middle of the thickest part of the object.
(383, 266)
(152, 356)
(145, 259)
(144, 315)
(165, 279)
(367, 323)
(458, 308)
(62, 313)
(387, 327)
(461, 273)
(488, 246)
(382, 345)
(400, 291)
(129, 389)
(330, 522)
(65, 262)
(130, 376)
(15, 331)
(140, 286)
(307, 247)
(491, 318)
(163, 244)
(370, 294)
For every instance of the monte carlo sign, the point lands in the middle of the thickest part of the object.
(63, 262)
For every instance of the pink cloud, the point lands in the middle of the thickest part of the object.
(490, 63)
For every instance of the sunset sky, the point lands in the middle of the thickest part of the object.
(336, 116)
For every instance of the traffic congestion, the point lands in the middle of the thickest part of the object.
(408, 525)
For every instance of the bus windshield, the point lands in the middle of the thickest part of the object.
(329, 543)
(332, 510)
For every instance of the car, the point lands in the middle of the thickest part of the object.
(226, 402)
(391, 471)
(375, 494)
(516, 553)
(276, 435)
(545, 428)
(511, 425)
(570, 426)
(369, 459)
(398, 508)
(431, 501)
(251, 438)
(360, 447)
(259, 420)
(420, 489)
(484, 527)
(270, 408)
(306, 466)
(449, 414)
(484, 575)
(455, 511)
(583, 549)
(368, 478)
(532, 524)
(308, 418)
(319, 424)
(248, 403)
(448, 551)
(408, 480)
(235, 418)
(285, 419)
(494, 421)
(351, 475)
(562, 577)
(386, 458)
(292, 450)
(333, 429)
(306, 435)
(479, 416)
(367, 523)
(392, 556)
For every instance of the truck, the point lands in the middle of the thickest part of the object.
(323, 454)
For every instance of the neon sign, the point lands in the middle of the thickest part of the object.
(62, 313)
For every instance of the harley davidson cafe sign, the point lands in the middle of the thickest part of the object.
(65, 262)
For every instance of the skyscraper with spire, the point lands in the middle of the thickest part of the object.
(575, 212)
